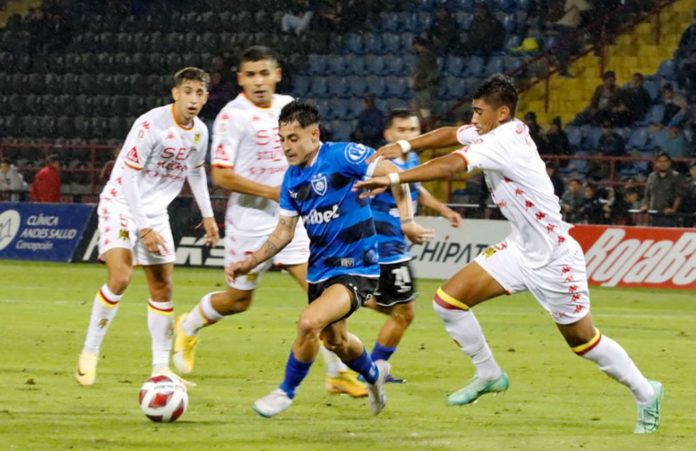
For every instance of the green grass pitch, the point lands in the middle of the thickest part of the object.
(556, 401)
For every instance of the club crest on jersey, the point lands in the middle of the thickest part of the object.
(196, 139)
(319, 184)
(356, 153)
(133, 155)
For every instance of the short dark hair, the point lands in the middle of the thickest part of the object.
(257, 53)
(579, 182)
(53, 158)
(400, 113)
(663, 154)
(609, 74)
(305, 113)
(498, 90)
(191, 73)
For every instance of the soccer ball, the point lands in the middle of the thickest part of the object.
(163, 398)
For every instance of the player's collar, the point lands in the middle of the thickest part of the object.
(316, 155)
(265, 108)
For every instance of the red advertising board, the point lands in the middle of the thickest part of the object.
(645, 257)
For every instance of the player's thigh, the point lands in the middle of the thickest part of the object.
(561, 287)
(159, 224)
(333, 304)
(494, 272)
(237, 248)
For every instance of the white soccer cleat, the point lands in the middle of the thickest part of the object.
(273, 403)
(376, 396)
(168, 372)
(86, 371)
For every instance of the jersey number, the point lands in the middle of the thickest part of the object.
(402, 279)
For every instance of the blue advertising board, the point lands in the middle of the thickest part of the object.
(42, 232)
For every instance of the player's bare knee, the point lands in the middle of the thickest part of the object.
(308, 326)
(118, 281)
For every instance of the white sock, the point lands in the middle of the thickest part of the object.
(201, 316)
(615, 362)
(104, 309)
(464, 329)
(332, 363)
(160, 321)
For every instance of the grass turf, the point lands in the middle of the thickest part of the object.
(556, 400)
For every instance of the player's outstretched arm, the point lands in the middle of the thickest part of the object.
(436, 139)
(228, 179)
(281, 237)
(428, 200)
(440, 168)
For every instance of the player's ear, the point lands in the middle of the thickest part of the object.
(503, 113)
(316, 133)
(278, 74)
(387, 135)
(175, 93)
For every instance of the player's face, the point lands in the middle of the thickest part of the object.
(402, 128)
(299, 144)
(258, 80)
(189, 98)
(487, 117)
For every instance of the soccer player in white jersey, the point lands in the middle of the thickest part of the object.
(165, 146)
(248, 161)
(539, 255)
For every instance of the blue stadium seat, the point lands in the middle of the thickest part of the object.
(373, 43)
(300, 86)
(375, 65)
(654, 115)
(318, 87)
(474, 66)
(355, 106)
(507, 6)
(574, 136)
(389, 22)
(335, 64)
(579, 165)
(495, 65)
(454, 88)
(667, 69)
(653, 88)
(337, 86)
(341, 129)
(317, 64)
(510, 23)
(354, 43)
(463, 20)
(549, 42)
(376, 85)
(394, 65)
(391, 43)
(591, 137)
(397, 87)
(428, 5)
(394, 103)
(512, 41)
(405, 40)
(357, 86)
(638, 139)
(454, 65)
(324, 109)
(355, 64)
(339, 108)
(513, 62)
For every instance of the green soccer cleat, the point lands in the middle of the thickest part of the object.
(478, 387)
(649, 414)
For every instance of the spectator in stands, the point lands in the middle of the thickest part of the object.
(689, 198)
(443, 32)
(572, 201)
(604, 99)
(220, 92)
(328, 17)
(675, 105)
(297, 18)
(558, 185)
(633, 102)
(486, 34)
(595, 209)
(611, 144)
(370, 124)
(425, 80)
(632, 198)
(672, 141)
(46, 185)
(11, 180)
(557, 140)
(567, 29)
(663, 192)
(535, 131)
(686, 77)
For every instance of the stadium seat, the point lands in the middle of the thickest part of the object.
(355, 64)
(84, 104)
(454, 88)
(373, 43)
(591, 137)
(355, 106)
(354, 43)
(574, 134)
(318, 87)
(337, 86)
(638, 139)
(341, 129)
(301, 85)
(510, 23)
(475, 66)
(667, 69)
(317, 64)
(463, 20)
(454, 65)
(339, 108)
(396, 87)
(376, 86)
(389, 22)
(376, 65)
(357, 86)
(391, 43)
(65, 127)
(394, 65)
(335, 64)
(511, 63)
(654, 115)
(405, 40)
(495, 65)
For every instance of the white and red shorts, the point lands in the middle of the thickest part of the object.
(560, 286)
(117, 230)
(238, 247)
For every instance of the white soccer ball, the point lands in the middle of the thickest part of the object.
(163, 398)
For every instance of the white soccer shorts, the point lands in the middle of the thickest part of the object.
(560, 286)
(117, 230)
(238, 247)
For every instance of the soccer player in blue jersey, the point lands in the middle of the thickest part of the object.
(343, 262)
(396, 291)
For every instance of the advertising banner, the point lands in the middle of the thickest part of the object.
(41, 232)
(649, 257)
(453, 248)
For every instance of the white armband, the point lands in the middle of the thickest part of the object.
(405, 145)
(394, 178)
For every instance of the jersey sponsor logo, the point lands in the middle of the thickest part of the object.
(639, 256)
(133, 155)
(319, 184)
(356, 153)
(315, 217)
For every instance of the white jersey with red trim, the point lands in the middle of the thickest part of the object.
(519, 185)
(163, 152)
(245, 138)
